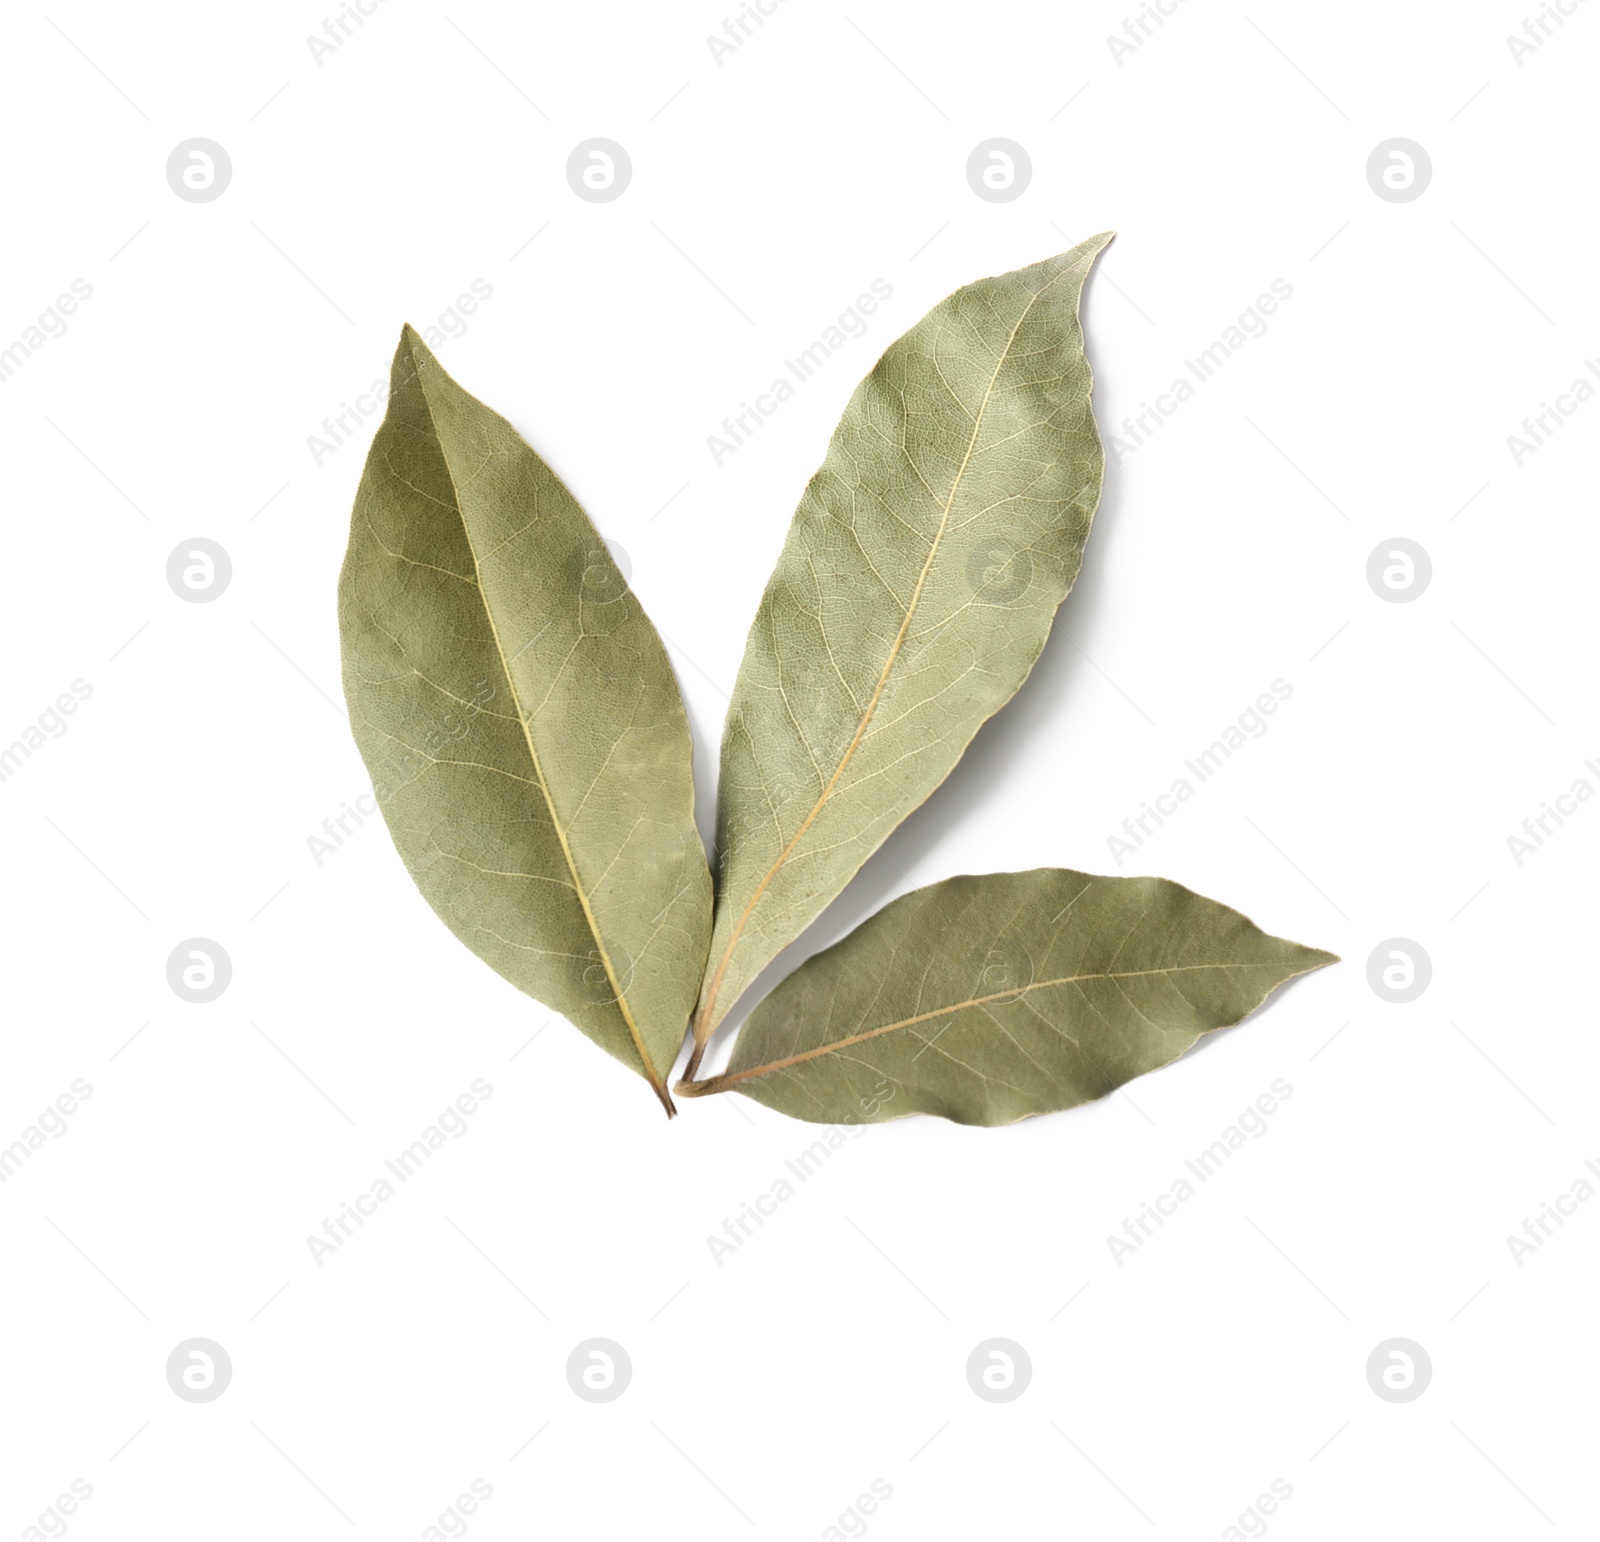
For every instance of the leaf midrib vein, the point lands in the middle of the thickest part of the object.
(732, 1078)
(656, 1080)
(703, 1027)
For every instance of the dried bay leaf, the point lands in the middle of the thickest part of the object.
(987, 999)
(521, 722)
(916, 588)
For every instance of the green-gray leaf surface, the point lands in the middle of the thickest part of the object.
(521, 722)
(987, 999)
(917, 586)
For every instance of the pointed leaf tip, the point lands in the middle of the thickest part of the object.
(919, 580)
(989, 999)
(521, 722)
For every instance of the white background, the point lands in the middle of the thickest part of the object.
(829, 1350)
